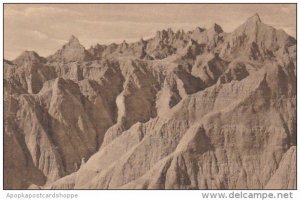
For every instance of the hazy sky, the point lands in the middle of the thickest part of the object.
(45, 28)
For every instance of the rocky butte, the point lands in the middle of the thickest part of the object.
(202, 109)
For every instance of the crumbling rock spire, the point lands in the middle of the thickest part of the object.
(73, 40)
(217, 28)
(255, 18)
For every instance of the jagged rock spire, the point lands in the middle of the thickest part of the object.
(217, 28)
(73, 40)
(71, 51)
(29, 56)
(255, 18)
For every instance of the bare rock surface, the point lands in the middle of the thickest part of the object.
(202, 109)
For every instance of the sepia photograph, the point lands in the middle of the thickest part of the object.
(149, 96)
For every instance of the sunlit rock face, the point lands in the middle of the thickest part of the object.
(202, 109)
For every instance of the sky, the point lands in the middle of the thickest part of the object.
(44, 28)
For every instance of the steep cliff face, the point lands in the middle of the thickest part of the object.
(183, 110)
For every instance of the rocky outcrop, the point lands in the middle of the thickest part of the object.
(202, 109)
(28, 71)
(71, 52)
(255, 40)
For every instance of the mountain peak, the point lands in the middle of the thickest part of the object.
(72, 51)
(217, 28)
(30, 53)
(29, 56)
(255, 18)
(164, 33)
(199, 30)
(73, 40)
